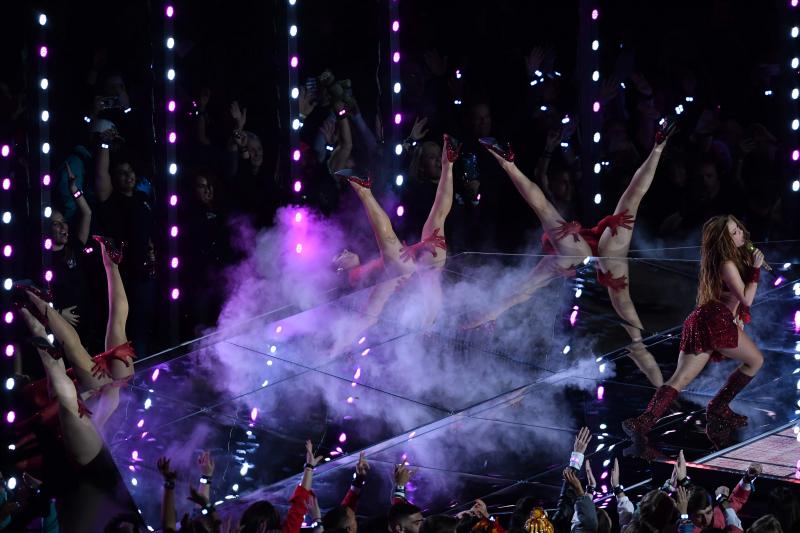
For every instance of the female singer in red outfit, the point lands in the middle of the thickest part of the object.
(715, 329)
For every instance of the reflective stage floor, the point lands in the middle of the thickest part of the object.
(486, 413)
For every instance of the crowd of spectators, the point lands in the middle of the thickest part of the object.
(729, 157)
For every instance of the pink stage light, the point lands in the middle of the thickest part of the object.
(6, 184)
(140, 423)
(9, 350)
(174, 262)
(396, 25)
(400, 210)
(778, 281)
(8, 317)
(173, 200)
(8, 250)
(296, 155)
(795, 155)
(46, 180)
(298, 217)
(175, 293)
(596, 107)
(601, 392)
(398, 118)
(171, 106)
(254, 414)
(294, 62)
(342, 437)
(595, 14)
(11, 416)
(48, 243)
(573, 318)
(299, 248)
(797, 321)
(5, 150)
(298, 186)
(396, 57)
(48, 276)
(154, 375)
(43, 51)
(172, 137)
(170, 11)
(350, 399)
(357, 374)
(173, 231)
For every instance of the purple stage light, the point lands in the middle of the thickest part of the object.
(601, 392)
(5, 151)
(11, 416)
(8, 317)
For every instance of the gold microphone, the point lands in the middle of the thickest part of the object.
(766, 266)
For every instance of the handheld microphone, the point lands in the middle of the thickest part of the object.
(766, 266)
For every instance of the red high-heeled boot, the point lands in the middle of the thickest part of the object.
(719, 408)
(503, 150)
(110, 247)
(639, 426)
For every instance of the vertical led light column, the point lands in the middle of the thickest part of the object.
(793, 48)
(294, 92)
(171, 138)
(396, 87)
(43, 90)
(595, 123)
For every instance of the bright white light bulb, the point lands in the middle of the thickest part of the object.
(293, 30)
(596, 137)
(597, 168)
(6, 217)
(595, 44)
(399, 180)
(795, 93)
(397, 88)
(45, 148)
(173, 168)
(398, 149)
(42, 19)
(171, 74)
(48, 211)
(595, 75)
(44, 84)
(45, 115)
(295, 93)
(795, 62)
(170, 43)
(598, 198)
(796, 185)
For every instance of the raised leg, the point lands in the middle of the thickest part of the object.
(73, 349)
(117, 317)
(551, 220)
(388, 243)
(81, 439)
(616, 242)
(438, 214)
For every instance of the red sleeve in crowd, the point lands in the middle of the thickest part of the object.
(297, 510)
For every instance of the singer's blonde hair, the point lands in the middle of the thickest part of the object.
(718, 247)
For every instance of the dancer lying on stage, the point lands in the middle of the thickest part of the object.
(714, 331)
(398, 262)
(569, 244)
(97, 380)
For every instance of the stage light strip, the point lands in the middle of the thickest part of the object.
(794, 93)
(44, 146)
(396, 88)
(171, 167)
(294, 92)
(596, 117)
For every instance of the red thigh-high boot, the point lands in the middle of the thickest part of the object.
(659, 403)
(718, 406)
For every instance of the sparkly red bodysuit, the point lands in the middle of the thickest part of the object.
(713, 326)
